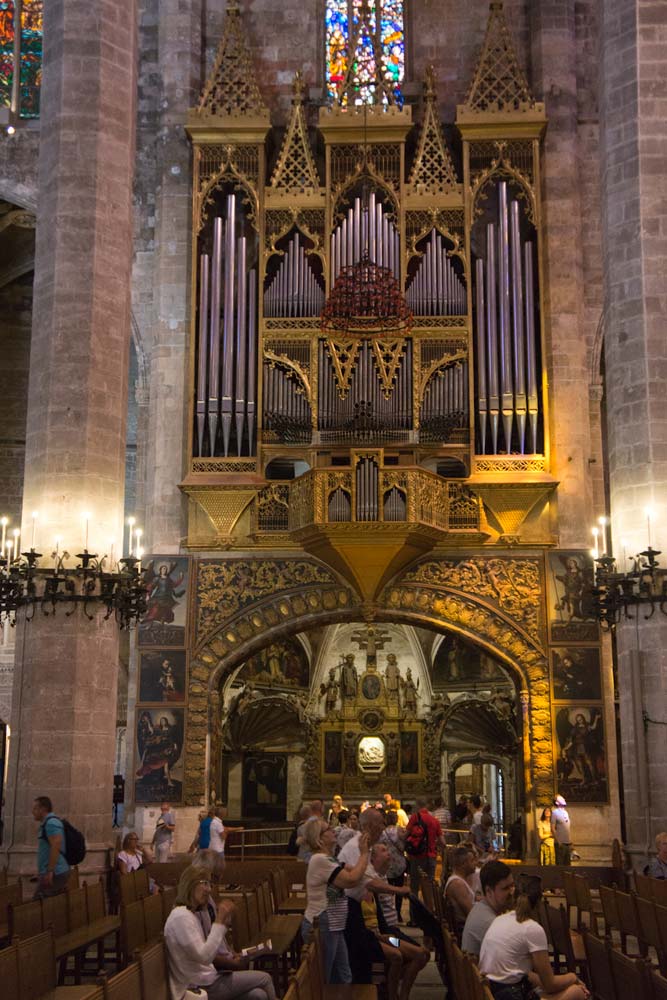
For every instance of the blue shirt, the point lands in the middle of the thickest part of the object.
(51, 826)
(205, 833)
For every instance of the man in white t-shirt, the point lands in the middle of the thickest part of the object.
(218, 832)
(560, 827)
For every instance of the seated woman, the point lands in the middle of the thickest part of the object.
(131, 856)
(514, 955)
(196, 938)
(326, 880)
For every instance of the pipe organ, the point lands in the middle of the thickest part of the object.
(227, 342)
(506, 346)
(455, 382)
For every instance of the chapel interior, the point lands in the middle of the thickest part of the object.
(349, 342)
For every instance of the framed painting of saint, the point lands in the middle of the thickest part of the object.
(333, 752)
(279, 665)
(575, 672)
(162, 676)
(581, 763)
(570, 579)
(159, 755)
(164, 623)
(458, 663)
(410, 752)
(265, 786)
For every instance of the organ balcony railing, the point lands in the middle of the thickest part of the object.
(367, 492)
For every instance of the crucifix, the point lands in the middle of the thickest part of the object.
(371, 639)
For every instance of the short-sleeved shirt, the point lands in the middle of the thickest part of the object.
(433, 832)
(217, 842)
(322, 894)
(505, 955)
(162, 834)
(477, 924)
(560, 825)
(131, 861)
(205, 833)
(658, 869)
(50, 826)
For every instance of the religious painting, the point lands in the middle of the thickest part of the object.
(166, 580)
(333, 752)
(410, 752)
(458, 662)
(265, 786)
(280, 665)
(575, 672)
(581, 766)
(159, 755)
(162, 676)
(571, 616)
(371, 687)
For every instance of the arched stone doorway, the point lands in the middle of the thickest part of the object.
(243, 605)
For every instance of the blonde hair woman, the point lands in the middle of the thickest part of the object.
(196, 938)
(326, 881)
(547, 842)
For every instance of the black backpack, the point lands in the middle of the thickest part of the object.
(416, 843)
(75, 843)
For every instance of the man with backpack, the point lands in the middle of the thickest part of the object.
(423, 836)
(52, 865)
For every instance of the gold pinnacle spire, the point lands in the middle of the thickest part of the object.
(295, 169)
(499, 84)
(433, 171)
(231, 89)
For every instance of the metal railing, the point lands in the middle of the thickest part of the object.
(248, 843)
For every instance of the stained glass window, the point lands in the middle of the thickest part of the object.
(31, 56)
(365, 45)
(6, 52)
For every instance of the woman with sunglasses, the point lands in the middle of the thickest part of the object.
(196, 937)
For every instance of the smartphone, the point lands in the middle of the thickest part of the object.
(395, 941)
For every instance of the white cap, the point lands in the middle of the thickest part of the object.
(560, 801)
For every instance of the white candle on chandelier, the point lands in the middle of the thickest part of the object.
(649, 513)
(596, 550)
(9, 546)
(137, 535)
(131, 521)
(140, 553)
(602, 521)
(111, 545)
(4, 522)
(35, 515)
(17, 535)
(86, 522)
(56, 554)
(624, 546)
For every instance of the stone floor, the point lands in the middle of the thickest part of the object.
(428, 985)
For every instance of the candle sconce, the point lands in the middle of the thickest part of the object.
(615, 594)
(26, 584)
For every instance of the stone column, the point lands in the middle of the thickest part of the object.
(63, 713)
(179, 60)
(633, 107)
(554, 79)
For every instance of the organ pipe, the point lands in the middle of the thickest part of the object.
(505, 335)
(294, 290)
(228, 324)
(365, 229)
(518, 340)
(530, 346)
(226, 342)
(436, 289)
(480, 345)
(506, 392)
(203, 330)
(491, 334)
